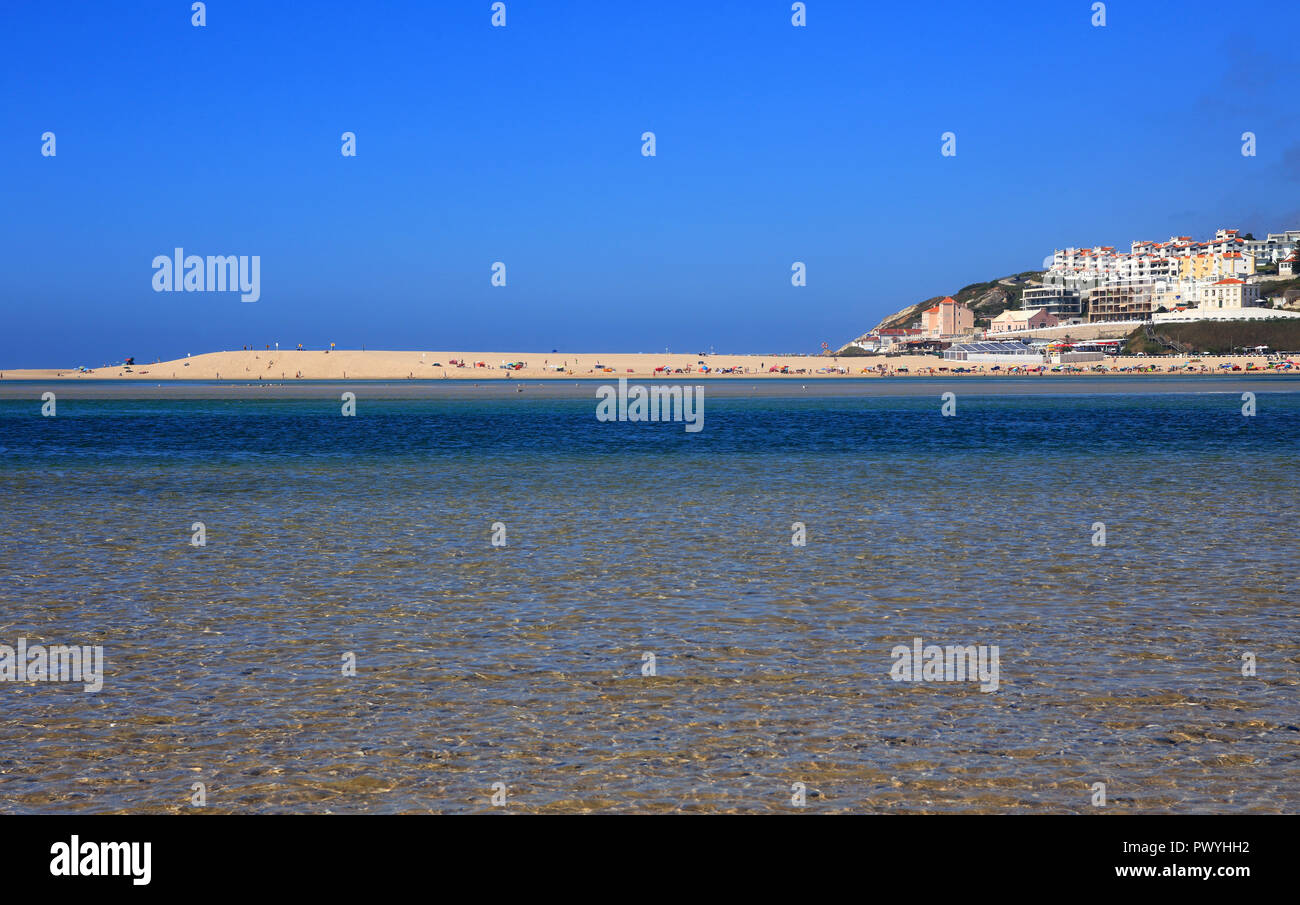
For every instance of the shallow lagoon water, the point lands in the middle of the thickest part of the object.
(523, 664)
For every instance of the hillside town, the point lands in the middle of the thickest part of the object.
(1095, 296)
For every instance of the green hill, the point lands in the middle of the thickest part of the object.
(1221, 337)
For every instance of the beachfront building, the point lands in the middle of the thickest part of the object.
(897, 336)
(994, 353)
(1120, 302)
(1231, 294)
(1076, 357)
(948, 318)
(1010, 321)
(1226, 299)
(1059, 301)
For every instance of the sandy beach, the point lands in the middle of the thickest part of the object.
(354, 364)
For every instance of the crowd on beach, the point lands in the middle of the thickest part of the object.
(1203, 365)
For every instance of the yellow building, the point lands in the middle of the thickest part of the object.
(1217, 265)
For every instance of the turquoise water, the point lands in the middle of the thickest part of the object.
(523, 663)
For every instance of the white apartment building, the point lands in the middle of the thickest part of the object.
(1173, 274)
(1059, 301)
(1273, 248)
(1227, 254)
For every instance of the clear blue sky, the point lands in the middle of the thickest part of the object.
(477, 144)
